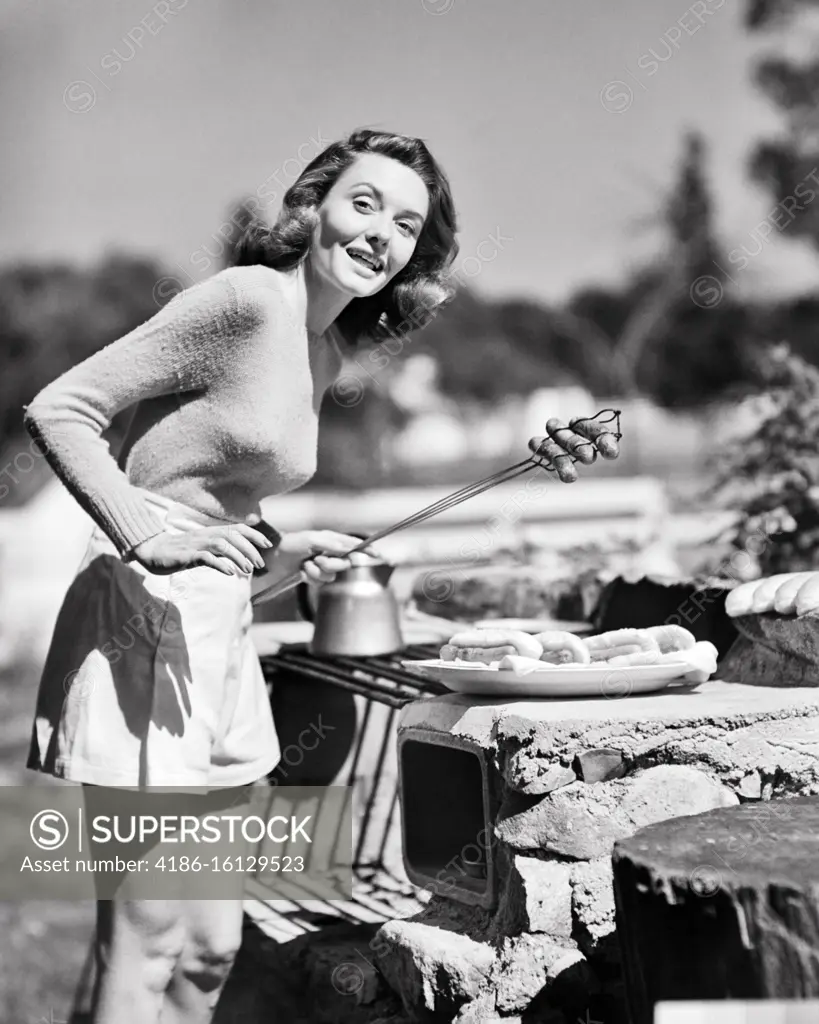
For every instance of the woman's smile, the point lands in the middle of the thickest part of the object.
(370, 264)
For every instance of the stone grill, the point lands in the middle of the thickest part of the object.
(493, 886)
(512, 809)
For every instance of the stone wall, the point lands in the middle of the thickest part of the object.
(571, 778)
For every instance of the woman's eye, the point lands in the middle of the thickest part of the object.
(409, 226)
(368, 202)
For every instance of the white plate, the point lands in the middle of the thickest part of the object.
(555, 681)
(535, 625)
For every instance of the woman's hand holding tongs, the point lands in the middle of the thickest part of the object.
(319, 555)
(234, 548)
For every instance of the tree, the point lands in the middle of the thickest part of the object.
(672, 332)
(490, 350)
(787, 165)
(54, 315)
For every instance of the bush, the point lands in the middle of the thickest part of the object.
(771, 476)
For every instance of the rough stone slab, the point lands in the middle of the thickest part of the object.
(546, 779)
(750, 786)
(796, 635)
(568, 823)
(480, 1011)
(537, 898)
(599, 765)
(527, 965)
(583, 822)
(470, 719)
(593, 907)
(444, 913)
(671, 791)
(432, 969)
(549, 724)
(761, 665)
(729, 727)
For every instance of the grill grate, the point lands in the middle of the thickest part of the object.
(381, 678)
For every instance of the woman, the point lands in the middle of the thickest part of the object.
(151, 678)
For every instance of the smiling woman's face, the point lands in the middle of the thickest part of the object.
(373, 214)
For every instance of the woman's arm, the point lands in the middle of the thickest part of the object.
(181, 348)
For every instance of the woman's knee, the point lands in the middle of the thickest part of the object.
(152, 932)
(210, 951)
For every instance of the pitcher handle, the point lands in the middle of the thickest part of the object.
(303, 602)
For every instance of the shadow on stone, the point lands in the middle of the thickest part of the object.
(322, 977)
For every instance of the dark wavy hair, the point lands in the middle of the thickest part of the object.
(418, 290)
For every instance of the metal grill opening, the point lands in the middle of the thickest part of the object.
(444, 798)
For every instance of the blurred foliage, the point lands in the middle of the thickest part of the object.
(769, 13)
(655, 336)
(52, 316)
(649, 337)
(771, 476)
(787, 165)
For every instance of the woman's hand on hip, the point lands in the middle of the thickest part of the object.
(320, 554)
(232, 548)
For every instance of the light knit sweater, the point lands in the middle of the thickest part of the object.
(227, 386)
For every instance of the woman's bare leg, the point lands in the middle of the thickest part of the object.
(138, 941)
(137, 960)
(165, 961)
(213, 938)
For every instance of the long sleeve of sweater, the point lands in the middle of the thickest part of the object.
(181, 348)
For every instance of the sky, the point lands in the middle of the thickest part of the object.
(131, 124)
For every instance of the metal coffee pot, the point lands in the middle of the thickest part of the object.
(357, 614)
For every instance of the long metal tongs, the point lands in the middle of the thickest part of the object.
(535, 461)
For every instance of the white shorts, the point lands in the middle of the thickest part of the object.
(153, 680)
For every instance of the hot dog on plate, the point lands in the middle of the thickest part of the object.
(620, 642)
(562, 648)
(701, 660)
(671, 637)
(490, 645)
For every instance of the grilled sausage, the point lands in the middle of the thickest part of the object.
(599, 433)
